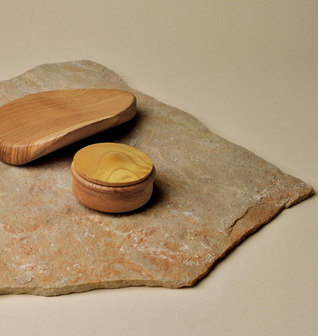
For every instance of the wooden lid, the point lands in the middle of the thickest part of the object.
(112, 164)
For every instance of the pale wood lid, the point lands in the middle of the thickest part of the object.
(112, 164)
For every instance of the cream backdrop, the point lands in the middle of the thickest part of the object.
(248, 70)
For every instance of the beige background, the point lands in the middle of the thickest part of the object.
(248, 70)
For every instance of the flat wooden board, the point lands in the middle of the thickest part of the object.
(38, 124)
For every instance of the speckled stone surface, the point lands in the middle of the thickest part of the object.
(209, 194)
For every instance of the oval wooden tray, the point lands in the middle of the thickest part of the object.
(40, 123)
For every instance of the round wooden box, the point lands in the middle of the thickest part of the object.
(112, 177)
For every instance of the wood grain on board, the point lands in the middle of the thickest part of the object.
(40, 123)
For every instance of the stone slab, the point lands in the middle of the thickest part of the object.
(209, 195)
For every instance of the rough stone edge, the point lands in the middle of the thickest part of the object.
(272, 209)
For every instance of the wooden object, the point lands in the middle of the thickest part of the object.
(112, 177)
(37, 124)
(113, 164)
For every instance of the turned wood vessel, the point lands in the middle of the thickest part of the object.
(112, 177)
(40, 123)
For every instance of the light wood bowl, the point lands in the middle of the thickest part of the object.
(112, 178)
